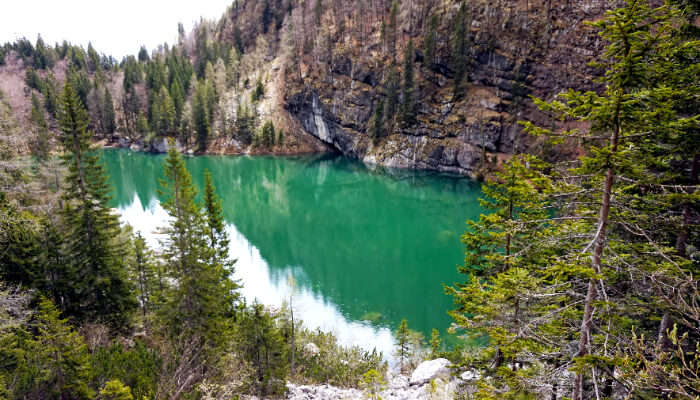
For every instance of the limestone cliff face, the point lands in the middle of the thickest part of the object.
(514, 52)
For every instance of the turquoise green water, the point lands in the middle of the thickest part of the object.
(362, 245)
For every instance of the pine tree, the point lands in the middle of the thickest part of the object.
(200, 116)
(403, 344)
(392, 97)
(508, 285)
(50, 97)
(143, 55)
(40, 145)
(93, 58)
(392, 29)
(232, 69)
(216, 228)
(430, 41)
(202, 302)
(408, 109)
(460, 49)
(244, 124)
(56, 362)
(165, 122)
(435, 343)
(144, 274)
(376, 123)
(108, 122)
(581, 276)
(260, 342)
(177, 93)
(267, 134)
(100, 285)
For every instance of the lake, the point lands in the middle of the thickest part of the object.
(365, 247)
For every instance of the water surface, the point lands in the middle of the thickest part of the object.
(365, 248)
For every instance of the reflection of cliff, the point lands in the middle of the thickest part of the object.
(365, 240)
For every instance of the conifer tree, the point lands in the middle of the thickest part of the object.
(100, 285)
(40, 146)
(582, 276)
(435, 343)
(268, 134)
(108, 122)
(260, 342)
(430, 41)
(232, 69)
(245, 124)
(408, 110)
(166, 112)
(202, 302)
(460, 48)
(403, 345)
(200, 116)
(508, 286)
(144, 273)
(635, 114)
(55, 363)
(50, 97)
(216, 228)
(392, 97)
(376, 123)
(93, 58)
(177, 93)
(392, 29)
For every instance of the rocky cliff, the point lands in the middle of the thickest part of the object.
(515, 50)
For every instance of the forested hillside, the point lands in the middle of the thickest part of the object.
(580, 279)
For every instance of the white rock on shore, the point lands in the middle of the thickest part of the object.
(429, 370)
(431, 380)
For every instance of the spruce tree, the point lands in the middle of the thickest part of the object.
(216, 228)
(408, 109)
(376, 123)
(108, 122)
(260, 342)
(50, 97)
(392, 97)
(55, 362)
(460, 49)
(201, 303)
(40, 145)
(403, 345)
(144, 274)
(166, 113)
(200, 116)
(430, 41)
(100, 286)
(586, 274)
(392, 29)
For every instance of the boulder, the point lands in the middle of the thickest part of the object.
(468, 376)
(311, 350)
(160, 145)
(429, 370)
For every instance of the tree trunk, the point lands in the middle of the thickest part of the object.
(599, 246)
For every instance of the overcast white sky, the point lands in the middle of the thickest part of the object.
(116, 27)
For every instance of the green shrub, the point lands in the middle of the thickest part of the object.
(137, 367)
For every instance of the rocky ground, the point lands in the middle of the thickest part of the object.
(431, 380)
